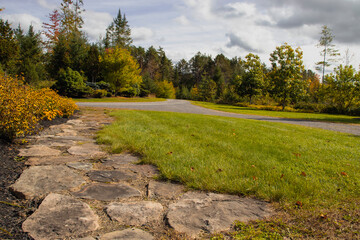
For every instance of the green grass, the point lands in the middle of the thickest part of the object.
(294, 115)
(118, 99)
(271, 161)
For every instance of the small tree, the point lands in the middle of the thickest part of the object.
(8, 45)
(342, 88)
(285, 76)
(71, 84)
(329, 53)
(252, 81)
(122, 71)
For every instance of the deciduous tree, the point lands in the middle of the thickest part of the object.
(285, 76)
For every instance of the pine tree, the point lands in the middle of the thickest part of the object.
(71, 20)
(8, 45)
(329, 53)
(118, 34)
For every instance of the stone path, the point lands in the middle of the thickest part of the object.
(89, 194)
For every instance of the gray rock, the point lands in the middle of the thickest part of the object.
(117, 161)
(144, 170)
(39, 151)
(59, 217)
(67, 132)
(135, 213)
(52, 142)
(87, 149)
(38, 181)
(75, 122)
(197, 212)
(111, 176)
(86, 238)
(55, 160)
(128, 234)
(80, 166)
(164, 190)
(107, 192)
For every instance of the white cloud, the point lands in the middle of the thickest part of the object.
(183, 20)
(46, 4)
(141, 33)
(95, 23)
(25, 20)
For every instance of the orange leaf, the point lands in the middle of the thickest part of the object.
(299, 204)
(254, 178)
(303, 174)
(344, 174)
(219, 170)
(252, 165)
(169, 153)
(282, 175)
(192, 169)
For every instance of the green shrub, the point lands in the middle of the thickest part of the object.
(70, 83)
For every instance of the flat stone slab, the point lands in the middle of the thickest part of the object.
(51, 142)
(135, 213)
(38, 181)
(144, 170)
(198, 212)
(87, 149)
(164, 190)
(128, 234)
(117, 161)
(53, 160)
(80, 166)
(39, 151)
(59, 217)
(110, 176)
(107, 192)
(67, 132)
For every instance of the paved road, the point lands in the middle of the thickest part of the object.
(184, 106)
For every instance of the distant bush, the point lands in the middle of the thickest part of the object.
(70, 83)
(165, 89)
(99, 93)
(22, 107)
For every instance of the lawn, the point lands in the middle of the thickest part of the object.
(118, 99)
(312, 175)
(281, 114)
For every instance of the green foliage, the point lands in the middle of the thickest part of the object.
(99, 93)
(118, 34)
(342, 88)
(165, 89)
(207, 89)
(8, 45)
(121, 71)
(70, 83)
(252, 81)
(285, 76)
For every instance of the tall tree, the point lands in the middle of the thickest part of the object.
(329, 53)
(285, 76)
(71, 20)
(30, 63)
(52, 29)
(8, 45)
(118, 33)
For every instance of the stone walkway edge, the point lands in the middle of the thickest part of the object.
(89, 194)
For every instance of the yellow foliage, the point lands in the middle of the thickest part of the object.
(22, 107)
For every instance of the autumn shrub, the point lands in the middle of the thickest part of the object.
(165, 89)
(22, 107)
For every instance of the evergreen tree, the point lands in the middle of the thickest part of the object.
(70, 17)
(118, 33)
(8, 46)
(30, 64)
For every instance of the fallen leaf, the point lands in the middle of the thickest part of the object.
(252, 165)
(297, 155)
(282, 175)
(169, 153)
(344, 174)
(303, 174)
(234, 134)
(323, 216)
(255, 178)
(192, 169)
(299, 204)
(219, 170)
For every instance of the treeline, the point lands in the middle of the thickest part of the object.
(73, 66)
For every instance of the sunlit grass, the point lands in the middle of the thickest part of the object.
(281, 114)
(271, 161)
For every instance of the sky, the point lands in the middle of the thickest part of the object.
(230, 27)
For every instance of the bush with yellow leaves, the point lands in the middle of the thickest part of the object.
(22, 107)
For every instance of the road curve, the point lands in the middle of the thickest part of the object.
(183, 106)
